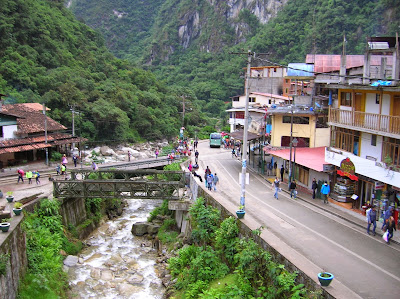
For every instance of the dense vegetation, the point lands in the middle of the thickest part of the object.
(46, 55)
(217, 264)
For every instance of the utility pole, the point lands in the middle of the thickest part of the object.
(245, 129)
(45, 134)
(73, 125)
(183, 111)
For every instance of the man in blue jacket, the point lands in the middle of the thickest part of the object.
(325, 190)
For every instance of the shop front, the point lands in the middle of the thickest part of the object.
(346, 185)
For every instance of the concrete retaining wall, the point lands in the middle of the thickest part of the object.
(13, 243)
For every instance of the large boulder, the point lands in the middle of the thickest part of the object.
(139, 228)
(106, 151)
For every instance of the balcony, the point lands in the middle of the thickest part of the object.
(367, 122)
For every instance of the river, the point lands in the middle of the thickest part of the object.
(117, 264)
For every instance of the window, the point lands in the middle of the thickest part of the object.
(346, 99)
(346, 140)
(239, 114)
(1, 132)
(302, 141)
(235, 99)
(373, 140)
(391, 149)
(252, 100)
(322, 121)
(296, 120)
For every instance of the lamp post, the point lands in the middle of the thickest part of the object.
(246, 125)
(295, 142)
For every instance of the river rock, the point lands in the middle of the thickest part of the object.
(106, 151)
(94, 257)
(107, 275)
(139, 228)
(71, 261)
(116, 259)
(95, 273)
(126, 289)
(135, 279)
(152, 229)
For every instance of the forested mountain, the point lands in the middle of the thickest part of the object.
(188, 42)
(46, 55)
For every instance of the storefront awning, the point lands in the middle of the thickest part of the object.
(23, 148)
(313, 158)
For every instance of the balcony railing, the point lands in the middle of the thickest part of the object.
(370, 121)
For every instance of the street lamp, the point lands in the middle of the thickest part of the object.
(246, 125)
(295, 142)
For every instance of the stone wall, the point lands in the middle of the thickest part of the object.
(13, 243)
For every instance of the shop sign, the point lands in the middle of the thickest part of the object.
(379, 185)
(328, 167)
(348, 169)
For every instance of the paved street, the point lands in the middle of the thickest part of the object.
(363, 263)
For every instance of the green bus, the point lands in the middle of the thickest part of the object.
(215, 140)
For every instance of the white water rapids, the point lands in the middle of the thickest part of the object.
(118, 264)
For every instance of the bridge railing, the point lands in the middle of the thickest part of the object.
(144, 189)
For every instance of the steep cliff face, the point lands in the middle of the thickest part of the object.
(160, 28)
(209, 25)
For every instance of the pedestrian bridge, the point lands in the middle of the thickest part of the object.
(111, 183)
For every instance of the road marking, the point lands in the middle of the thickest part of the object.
(315, 232)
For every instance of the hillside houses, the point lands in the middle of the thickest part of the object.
(23, 134)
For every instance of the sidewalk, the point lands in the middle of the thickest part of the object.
(335, 209)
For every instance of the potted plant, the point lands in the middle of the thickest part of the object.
(4, 225)
(325, 278)
(10, 196)
(17, 208)
(240, 212)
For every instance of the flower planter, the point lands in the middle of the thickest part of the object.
(10, 198)
(325, 278)
(17, 211)
(4, 226)
(240, 214)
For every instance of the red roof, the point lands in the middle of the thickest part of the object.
(313, 158)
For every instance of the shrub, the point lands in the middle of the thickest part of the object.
(56, 156)
(3, 263)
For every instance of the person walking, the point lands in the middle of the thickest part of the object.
(58, 169)
(282, 172)
(129, 156)
(210, 180)
(215, 181)
(74, 159)
(371, 218)
(390, 226)
(276, 186)
(64, 160)
(325, 190)
(156, 153)
(386, 216)
(21, 174)
(94, 166)
(29, 176)
(293, 189)
(63, 169)
(196, 157)
(37, 177)
(234, 153)
(314, 187)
